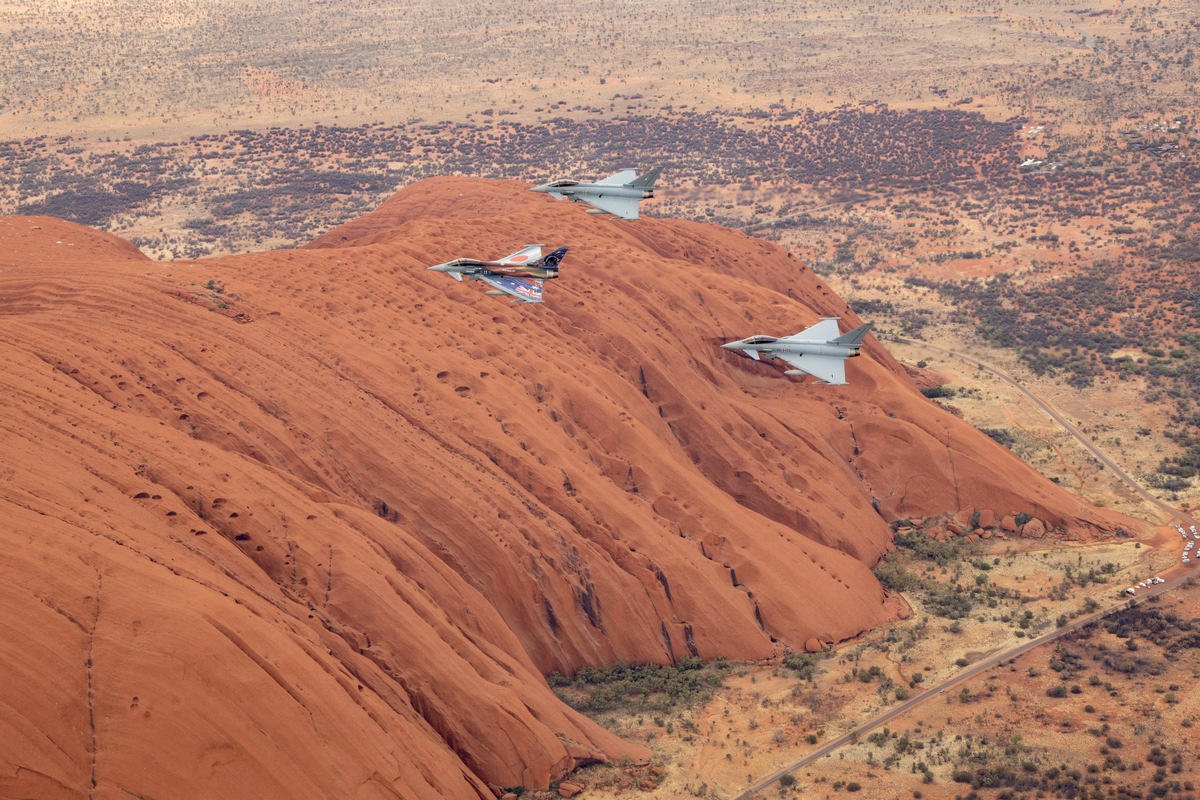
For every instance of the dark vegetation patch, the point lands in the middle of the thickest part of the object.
(934, 569)
(1124, 324)
(639, 687)
(293, 184)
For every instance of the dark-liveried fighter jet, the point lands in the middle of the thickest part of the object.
(618, 194)
(520, 275)
(818, 350)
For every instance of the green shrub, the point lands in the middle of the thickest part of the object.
(639, 687)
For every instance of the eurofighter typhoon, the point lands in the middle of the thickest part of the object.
(519, 275)
(818, 350)
(618, 194)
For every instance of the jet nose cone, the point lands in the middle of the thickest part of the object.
(732, 346)
(543, 188)
(440, 268)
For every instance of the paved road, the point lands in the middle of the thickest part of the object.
(975, 669)
(967, 674)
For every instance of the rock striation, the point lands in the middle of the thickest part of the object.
(317, 522)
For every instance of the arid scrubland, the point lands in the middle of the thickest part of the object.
(1104, 712)
(115, 67)
(1013, 180)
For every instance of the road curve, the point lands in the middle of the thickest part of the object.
(1057, 417)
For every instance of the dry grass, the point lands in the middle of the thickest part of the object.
(111, 68)
(763, 718)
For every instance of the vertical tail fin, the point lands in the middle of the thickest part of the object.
(647, 181)
(854, 338)
(552, 260)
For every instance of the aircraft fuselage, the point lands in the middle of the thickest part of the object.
(770, 347)
(472, 269)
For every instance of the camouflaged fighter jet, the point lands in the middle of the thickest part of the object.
(618, 194)
(818, 350)
(519, 275)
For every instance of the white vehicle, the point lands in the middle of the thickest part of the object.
(1131, 590)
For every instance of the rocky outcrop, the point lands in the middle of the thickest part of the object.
(315, 523)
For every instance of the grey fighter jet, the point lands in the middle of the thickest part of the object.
(520, 275)
(818, 350)
(618, 194)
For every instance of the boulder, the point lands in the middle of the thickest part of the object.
(1033, 529)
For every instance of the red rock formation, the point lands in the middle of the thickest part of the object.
(314, 523)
